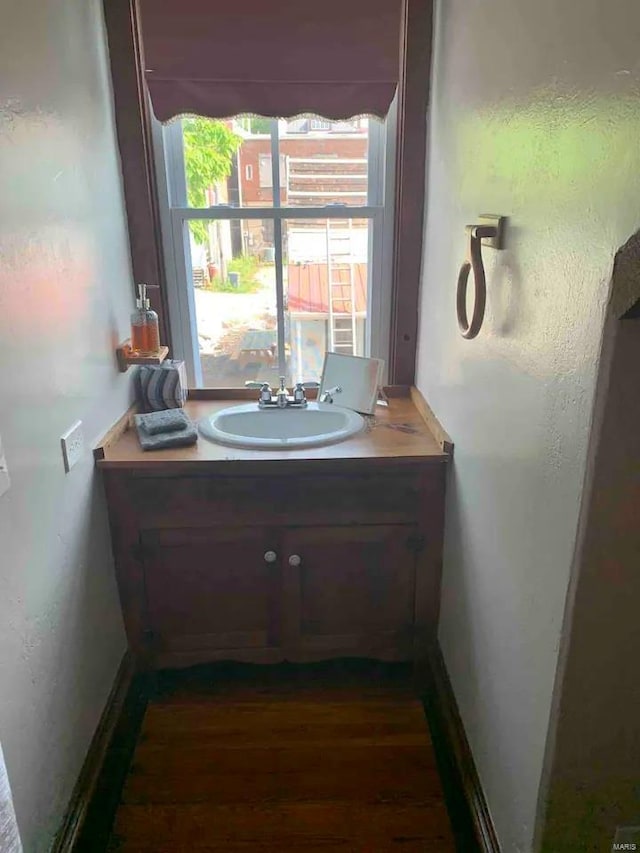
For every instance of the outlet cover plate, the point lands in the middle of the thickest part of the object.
(72, 445)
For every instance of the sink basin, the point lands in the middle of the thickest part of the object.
(248, 426)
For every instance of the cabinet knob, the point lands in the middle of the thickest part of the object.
(270, 556)
(295, 560)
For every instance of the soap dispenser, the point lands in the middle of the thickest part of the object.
(145, 336)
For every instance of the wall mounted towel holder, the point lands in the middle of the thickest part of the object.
(489, 231)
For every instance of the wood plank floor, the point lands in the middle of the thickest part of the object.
(283, 767)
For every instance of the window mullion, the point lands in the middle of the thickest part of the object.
(176, 176)
(277, 245)
(375, 165)
(279, 269)
(229, 212)
(275, 163)
(185, 302)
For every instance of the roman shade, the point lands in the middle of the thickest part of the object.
(218, 58)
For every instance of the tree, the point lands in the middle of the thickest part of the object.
(256, 124)
(209, 147)
(260, 124)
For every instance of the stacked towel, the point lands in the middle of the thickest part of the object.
(161, 386)
(171, 428)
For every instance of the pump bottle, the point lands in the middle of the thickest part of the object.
(145, 336)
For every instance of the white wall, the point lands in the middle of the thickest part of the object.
(534, 115)
(65, 296)
(593, 752)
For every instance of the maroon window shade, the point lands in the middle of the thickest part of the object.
(335, 58)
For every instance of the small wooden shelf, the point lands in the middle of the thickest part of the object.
(126, 357)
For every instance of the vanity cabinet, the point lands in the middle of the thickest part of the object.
(209, 589)
(235, 554)
(295, 593)
(351, 589)
(270, 568)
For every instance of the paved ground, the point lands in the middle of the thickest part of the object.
(222, 320)
(219, 313)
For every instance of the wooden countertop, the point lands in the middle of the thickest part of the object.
(398, 434)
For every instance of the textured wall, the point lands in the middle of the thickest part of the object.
(534, 115)
(592, 784)
(65, 295)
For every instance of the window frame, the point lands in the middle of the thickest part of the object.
(175, 215)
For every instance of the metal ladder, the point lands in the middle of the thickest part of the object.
(341, 283)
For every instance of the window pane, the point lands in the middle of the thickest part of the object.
(233, 273)
(266, 178)
(322, 162)
(325, 162)
(326, 282)
(228, 162)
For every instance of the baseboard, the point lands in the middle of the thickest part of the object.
(87, 822)
(463, 789)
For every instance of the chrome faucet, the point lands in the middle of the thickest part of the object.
(282, 395)
(281, 399)
(329, 393)
(265, 394)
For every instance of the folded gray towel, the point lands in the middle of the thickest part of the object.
(170, 420)
(158, 440)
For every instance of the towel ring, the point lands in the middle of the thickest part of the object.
(491, 234)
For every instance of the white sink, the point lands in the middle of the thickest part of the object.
(248, 426)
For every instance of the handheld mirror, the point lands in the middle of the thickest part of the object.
(359, 378)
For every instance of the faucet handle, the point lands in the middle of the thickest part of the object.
(329, 393)
(265, 393)
(298, 393)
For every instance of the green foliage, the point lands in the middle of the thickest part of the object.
(209, 147)
(260, 124)
(255, 124)
(218, 286)
(247, 267)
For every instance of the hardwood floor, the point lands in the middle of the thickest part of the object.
(300, 759)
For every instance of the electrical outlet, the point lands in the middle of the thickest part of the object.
(5, 482)
(72, 445)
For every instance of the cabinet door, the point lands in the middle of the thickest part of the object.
(211, 589)
(349, 591)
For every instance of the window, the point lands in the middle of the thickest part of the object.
(298, 125)
(393, 318)
(266, 170)
(266, 276)
(346, 126)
